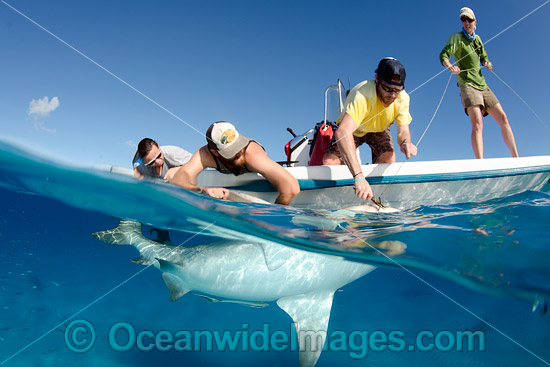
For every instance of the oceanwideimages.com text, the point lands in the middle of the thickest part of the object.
(81, 336)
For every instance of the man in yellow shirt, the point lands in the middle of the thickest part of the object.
(370, 108)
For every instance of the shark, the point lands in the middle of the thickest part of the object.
(302, 283)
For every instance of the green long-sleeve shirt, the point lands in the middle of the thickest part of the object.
(468, 55)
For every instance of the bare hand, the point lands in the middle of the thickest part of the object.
(217, 192)
(408, 149)
(489, 65)
(363, 189)
(454, 69)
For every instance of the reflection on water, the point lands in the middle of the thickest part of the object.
(51, 268)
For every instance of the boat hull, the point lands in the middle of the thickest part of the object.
(401, 185)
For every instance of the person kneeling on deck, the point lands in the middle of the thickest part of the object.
(370, 108)
(229, 152)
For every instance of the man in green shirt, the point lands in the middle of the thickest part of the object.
(477, 98)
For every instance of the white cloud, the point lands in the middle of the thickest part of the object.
(43, 107)
(40, 109)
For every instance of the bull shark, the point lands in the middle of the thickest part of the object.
(302, 283)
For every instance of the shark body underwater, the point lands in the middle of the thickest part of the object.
(302, 283)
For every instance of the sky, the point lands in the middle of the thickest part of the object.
(84, 81)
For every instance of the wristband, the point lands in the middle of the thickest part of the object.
(403, 142)
(358, 173)
(359, 179)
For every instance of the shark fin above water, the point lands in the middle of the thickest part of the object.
(310, 313)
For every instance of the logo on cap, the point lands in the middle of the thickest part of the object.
(227, 137)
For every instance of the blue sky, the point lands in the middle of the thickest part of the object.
(262, 65)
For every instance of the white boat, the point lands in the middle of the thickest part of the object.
(398, 185)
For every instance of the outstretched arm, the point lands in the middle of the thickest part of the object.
(258, 161)
(347, 148)
(404, 141)
(186, 175)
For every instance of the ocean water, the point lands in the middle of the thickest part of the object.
(443, 271)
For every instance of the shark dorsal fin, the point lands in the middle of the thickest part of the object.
(310, 313)
(276, 255)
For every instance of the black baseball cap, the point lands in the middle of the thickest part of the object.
(389, 67)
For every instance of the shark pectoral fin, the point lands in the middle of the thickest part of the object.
(275, 255)
(175, 286)
(174, 283)
(311, 313)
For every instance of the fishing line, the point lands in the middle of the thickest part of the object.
(173, 114)
(485, 43)
(399, 168)
(521, 99)
(475, 68)
(419, 140)
(104, 68)
(488, 41)
(96, 300)
(448, 297)
(429, 124)
(516, 22)
(435, 112)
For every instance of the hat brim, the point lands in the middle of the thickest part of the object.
(232, 150)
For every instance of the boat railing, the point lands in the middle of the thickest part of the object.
(340, 97)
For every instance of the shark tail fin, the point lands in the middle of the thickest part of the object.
(122, 234)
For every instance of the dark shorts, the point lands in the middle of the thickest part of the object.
(471, 96)
(379, 143)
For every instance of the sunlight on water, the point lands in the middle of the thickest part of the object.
(496, 252)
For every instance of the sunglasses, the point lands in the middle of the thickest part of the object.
(154, 159)
(390, 90)
(464, 19)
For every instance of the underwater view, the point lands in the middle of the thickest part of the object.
(100, 269)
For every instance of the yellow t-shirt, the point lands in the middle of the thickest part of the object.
(366, 110)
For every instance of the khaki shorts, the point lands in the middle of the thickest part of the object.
(379, 143)
(471, 96)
